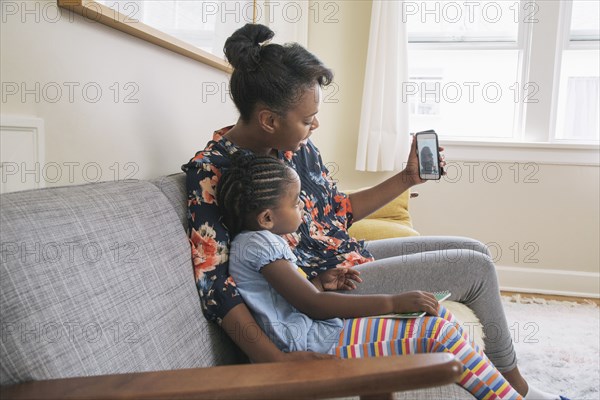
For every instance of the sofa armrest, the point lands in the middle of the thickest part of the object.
(302, 379)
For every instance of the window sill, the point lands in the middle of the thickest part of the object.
(523, 152)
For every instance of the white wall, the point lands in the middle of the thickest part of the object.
(544, 236)
(169, 122)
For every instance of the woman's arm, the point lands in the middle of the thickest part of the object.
(242, 328)
(370, 200)
(208, 237)
(303, 295)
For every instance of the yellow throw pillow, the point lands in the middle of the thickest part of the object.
(396, 209)
(390, 221)
(374, 229)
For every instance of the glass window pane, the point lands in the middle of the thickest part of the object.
(204, 24)
(585, 20)
(579, 96)
(461, 21)
(463, 93)
(191, 15)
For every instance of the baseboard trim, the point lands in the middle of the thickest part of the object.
(549, 281)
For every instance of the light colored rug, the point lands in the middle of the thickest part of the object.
(557, 344)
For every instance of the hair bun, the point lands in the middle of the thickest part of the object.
(242, 49)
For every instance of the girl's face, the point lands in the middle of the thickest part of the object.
(298, 124)
(287, 216)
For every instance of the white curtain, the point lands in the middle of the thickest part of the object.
(384, 141)
(582, 109)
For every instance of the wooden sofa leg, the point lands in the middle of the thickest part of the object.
(383, 396)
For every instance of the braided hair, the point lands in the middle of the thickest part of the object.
(249, 186)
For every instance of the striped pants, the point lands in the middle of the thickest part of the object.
(374, 337)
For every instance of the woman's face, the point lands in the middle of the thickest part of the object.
(300, 121)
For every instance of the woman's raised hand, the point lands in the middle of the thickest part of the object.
(411, 172)
(415, 301)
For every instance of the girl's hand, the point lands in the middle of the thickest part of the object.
(416, 301)
(411, 172)
(339, 279)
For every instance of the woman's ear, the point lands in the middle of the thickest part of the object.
(267, 120)
(265, 219)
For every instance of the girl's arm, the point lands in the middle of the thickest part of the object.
(257, 346)
(304, 296)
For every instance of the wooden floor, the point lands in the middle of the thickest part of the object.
(553, 297)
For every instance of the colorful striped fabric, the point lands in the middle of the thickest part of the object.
(375, 337)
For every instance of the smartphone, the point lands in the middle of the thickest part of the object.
(428, 155)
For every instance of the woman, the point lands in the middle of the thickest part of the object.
(277, 90)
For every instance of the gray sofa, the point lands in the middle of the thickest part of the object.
(96, 280)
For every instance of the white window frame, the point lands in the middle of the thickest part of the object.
(535, 123)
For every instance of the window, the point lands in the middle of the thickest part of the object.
(578, 102)
(205, 24)
(483, 70)
(585, 19)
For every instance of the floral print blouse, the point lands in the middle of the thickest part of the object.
(321, 242)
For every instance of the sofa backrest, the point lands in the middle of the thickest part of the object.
(97, 279)
(174, 188)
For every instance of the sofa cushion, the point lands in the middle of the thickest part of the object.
(453, 392)
(468, 321)
(97, 279)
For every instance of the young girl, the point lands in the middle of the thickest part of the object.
(260, 200)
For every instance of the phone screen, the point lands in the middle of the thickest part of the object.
(428, 155)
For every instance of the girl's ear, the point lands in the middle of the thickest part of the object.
(267, 120)
(265, 219)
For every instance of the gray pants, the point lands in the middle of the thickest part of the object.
(433, 263)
